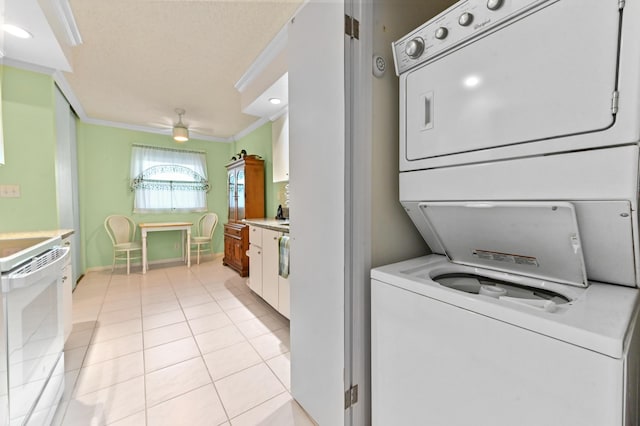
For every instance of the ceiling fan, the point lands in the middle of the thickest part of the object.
(180, 130)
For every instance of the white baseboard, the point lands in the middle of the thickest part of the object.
(154, 262)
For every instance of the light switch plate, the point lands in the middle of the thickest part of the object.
(9, 191)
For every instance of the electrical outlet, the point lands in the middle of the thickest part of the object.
(9, 191)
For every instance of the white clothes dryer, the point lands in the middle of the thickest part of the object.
(495, 79)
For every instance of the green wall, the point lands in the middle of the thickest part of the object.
(28, 116)
(104, 156)
(259, 142)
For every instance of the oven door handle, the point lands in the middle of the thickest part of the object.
(38, 268)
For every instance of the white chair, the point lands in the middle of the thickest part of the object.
(204, 234)
(121, 231)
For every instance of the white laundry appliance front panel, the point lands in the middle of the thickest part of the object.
(601, 184)
(540, 77)
(436, 363)
(595, 318)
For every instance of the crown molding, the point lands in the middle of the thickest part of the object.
(275, 46)
(65, 88)
(273, 49)
(27, 66)
(76, 105)
(279, 114)
(67, 21)
(154, 130)
(254, 126)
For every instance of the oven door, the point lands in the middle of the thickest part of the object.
(549, 74)
(32, 302)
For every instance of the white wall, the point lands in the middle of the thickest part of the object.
(394, 237)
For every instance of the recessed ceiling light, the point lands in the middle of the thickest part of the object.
(16, 31)
(472, 81)
(275, 101)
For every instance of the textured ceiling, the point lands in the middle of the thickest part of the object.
(141, 59)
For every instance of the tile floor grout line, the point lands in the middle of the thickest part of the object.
(276, 374)
(144, 361)
(185, 288)
(71, 394)
(215, 388)
(262, 403)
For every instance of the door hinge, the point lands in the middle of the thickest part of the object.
(350, 396)
(351, 27)
(614, 102)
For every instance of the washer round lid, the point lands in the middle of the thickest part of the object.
(537, 239)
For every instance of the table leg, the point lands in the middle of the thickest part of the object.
(182, 241)
(144, 251)
(189, 247)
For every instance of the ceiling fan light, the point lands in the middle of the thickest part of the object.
(180, 134)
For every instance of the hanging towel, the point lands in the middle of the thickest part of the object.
(283, 269)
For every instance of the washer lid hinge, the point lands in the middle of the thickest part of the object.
(614, 102)
(352, 27)
(621, 4)
(350, 396)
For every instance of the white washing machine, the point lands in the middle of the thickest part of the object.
(504, 329)
(456, 345)
(519, 166)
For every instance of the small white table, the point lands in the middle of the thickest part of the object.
(185, 227)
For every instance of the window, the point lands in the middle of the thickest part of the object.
(166, 179)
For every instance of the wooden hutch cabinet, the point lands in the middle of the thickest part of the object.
(245, 196)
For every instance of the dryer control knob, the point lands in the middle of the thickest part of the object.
(415, 48)
(441, 33)
(465, 19)
(494, 4)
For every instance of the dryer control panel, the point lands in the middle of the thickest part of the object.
(456, 26)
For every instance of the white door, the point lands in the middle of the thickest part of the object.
(317, 188)
(549, 74)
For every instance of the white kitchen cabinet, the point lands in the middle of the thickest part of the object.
(280, 148)
(255, 260)
(264, 262)
(67, 289)
(284, 305)
(270, 261)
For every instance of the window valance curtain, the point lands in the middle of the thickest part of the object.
(165, 179)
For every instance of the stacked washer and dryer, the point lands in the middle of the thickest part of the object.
(519, 166)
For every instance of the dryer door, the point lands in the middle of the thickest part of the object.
(548, 74)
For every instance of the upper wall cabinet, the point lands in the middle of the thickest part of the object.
(280, 148)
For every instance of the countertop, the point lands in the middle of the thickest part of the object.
(274, 224)
(62, 233)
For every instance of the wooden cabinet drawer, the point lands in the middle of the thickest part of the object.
(232, 230)
(236, 244)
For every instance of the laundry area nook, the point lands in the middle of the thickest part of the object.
(522, 178)
(320, 213)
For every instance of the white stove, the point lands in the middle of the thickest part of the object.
(31, 324)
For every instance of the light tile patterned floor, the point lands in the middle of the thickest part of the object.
(176, 346)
